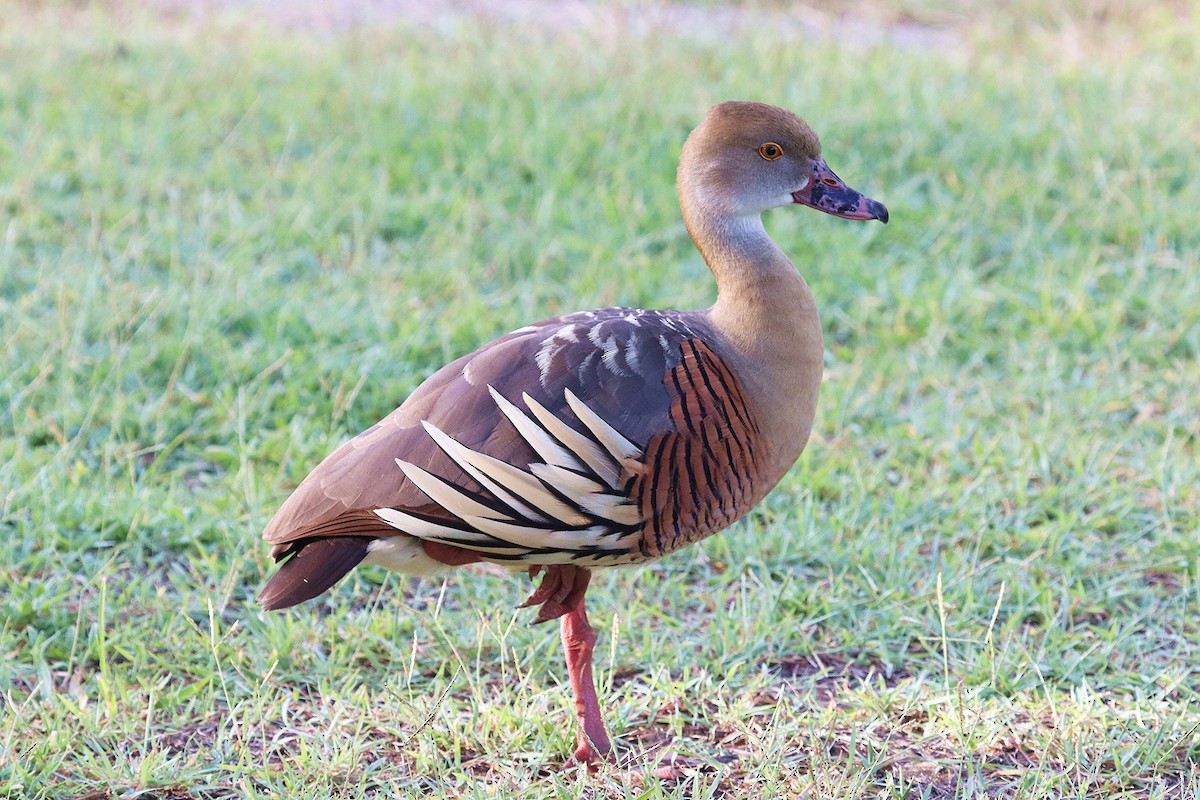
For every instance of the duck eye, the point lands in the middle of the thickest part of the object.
(770, 151)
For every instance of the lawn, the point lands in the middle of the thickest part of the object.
(229, 242)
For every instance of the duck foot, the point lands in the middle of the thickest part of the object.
(560, 592)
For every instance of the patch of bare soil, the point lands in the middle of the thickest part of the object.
(831, 674)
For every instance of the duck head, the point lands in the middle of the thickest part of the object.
(745, 158)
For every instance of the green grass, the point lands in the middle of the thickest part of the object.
(224, 248)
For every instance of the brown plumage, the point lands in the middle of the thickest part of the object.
(603, 437)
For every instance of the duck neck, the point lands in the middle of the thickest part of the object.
(760, 295)
(767, 318)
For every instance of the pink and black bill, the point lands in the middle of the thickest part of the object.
(826, 192)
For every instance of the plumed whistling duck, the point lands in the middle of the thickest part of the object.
(603, 437)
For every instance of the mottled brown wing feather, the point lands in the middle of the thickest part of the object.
(649, 377)
(618, 372)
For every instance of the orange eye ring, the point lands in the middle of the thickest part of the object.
(770, 151)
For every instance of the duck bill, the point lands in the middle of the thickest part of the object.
(826, 192)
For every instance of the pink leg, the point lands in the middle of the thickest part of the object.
(561, 594)
(579, 641)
